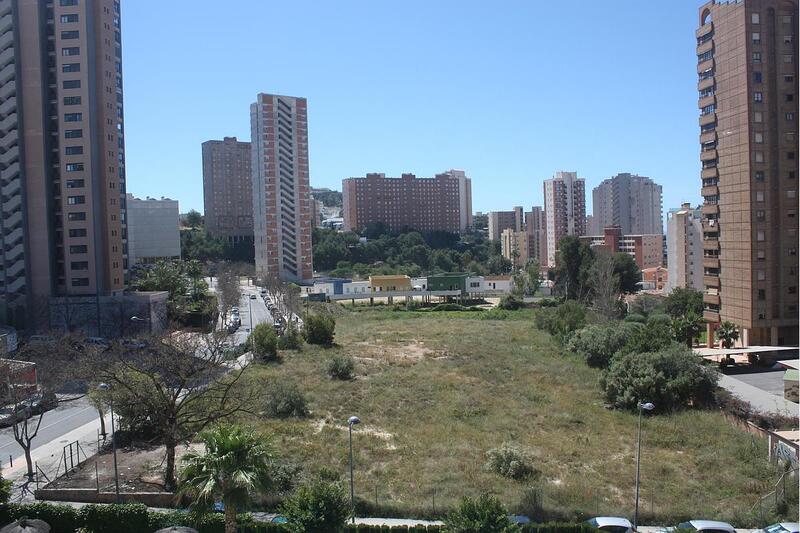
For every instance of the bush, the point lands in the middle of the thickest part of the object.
(485, 514)
(126, 518)
(283, 399)
(653, 336)
(510, 461)
(671, 378)
(319, 329)
(597, 344)
(341, 367)
(549, 302)
(319, 506)
(264, 343)
(60, 518)
(510, 302)
(291, 339)
(636, 317)
(561, 321)
(5, 489)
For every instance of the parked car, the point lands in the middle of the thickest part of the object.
(232, 328)
(706, 526)
(236, 320)
(252, 296)
(234, 310)
(614, 524)
(781, 527)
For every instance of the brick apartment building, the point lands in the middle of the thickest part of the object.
(228, 189)
(443, 202)
(565, 210)
(499, 221)
(647, 250)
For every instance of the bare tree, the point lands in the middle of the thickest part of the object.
(605, 285)
(229, 291)
(180, 384)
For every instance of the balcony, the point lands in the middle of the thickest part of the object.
(708, 137)
(710, 315)
(711, 262)
(709, 173)
(712, 299)
(708, 155)
(708, 119)
(710, 243)
(711, 281)
(705, 84)
(706, 101)
(705, 65)
(703, 30)
(702, 48)
(709, 190)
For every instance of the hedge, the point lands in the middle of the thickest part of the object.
(137, 518)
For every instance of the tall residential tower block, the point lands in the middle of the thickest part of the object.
(228, 189)
(629, 201)
(565, 210)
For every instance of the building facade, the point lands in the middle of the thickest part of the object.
(514, 247)
(536, 228)
(153, 230)
(685, 248)
(747, 83)
(282, 218)
(441, 203)
(647, 250)
(500, 221)
(629, 201)
(655, 278)
(228, 189)
(565, 210)
(62, 168)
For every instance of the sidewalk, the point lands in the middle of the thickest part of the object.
(761, 400)
(48, 456)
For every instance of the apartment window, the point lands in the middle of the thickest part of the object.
(760, 215)
(789, 136)
(71, 84)
(74, 167)
(759, 157)
(68, 3)
(73, 134)
(793, 290)
(761, 255)
(71, 67)
(761, 294)
(788, 78)
(758, 137)
(70, 34)
(790, 175)
(76, 200)
(760, 235)
(66, 19)
(790, 155)
(761, 275)
(72, 100)
(791, 194)
(791, 213)
(74, 150)
(76, 217)
(79, 265)
(755, 18)
(76, 183)
(80, 282)
(756, 57)
(705, 56)
(792, 251)
(757, 77)
(787, 58)
(758, 96)
(73, 117)
(70, 51)
(756, 37)
(78, 249)
(708, 109)
(77, 232)
(789, 116)
(787, 39)
(786, 19)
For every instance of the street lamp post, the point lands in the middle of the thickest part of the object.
(648, 407)
(352, 421)
(106, 387)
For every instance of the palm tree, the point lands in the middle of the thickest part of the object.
(687, 327)
(727, 333)
(235, 465)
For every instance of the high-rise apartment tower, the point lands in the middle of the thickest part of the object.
(62, 162)
(685, 248)
(565, 210)
(747, 69)
(281, 195)
(629, 201)
(228, 189)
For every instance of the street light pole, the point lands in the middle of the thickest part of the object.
(649, 407)
(353, 420)
(106, 387)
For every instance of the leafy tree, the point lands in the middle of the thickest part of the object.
(534, 279)
(264, 343)
(5, 489)
(497, 264)
(728, 334)
(574, 262)
(319, 329)
(321, 506)
(510, 302)
(484, 514)
(605, 286)
(193, 219)
(627, 272)
(290, 340)
(671, 378)
(235, 465)
(597, 344)
(686, 328)
(198, 244)
(682, 301)
(646, 305)
(652, 336)
(561, 321)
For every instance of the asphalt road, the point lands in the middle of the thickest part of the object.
(252, 312)
(60, 421)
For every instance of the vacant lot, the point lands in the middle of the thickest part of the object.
(435, 392)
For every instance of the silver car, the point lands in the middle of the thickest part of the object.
(782, 527)
(613, 524)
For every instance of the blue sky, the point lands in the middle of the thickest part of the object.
(510, 91)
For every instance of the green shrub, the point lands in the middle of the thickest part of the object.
(509, 302)
(341, 367)
(549, 302)
(284, 399)
(484, 514)
(319, 329)
(291, 339)
(561, 321)
(319, 506)
(636, 317)
(597, 344)
(653, 336)
(264, 343)
(671, 378)
(510, 461)
(5, 489)
(60, 518)
(125, 518)
(494, 314)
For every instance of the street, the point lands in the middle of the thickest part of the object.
(252, 313)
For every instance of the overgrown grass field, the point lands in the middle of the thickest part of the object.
(436, 391)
